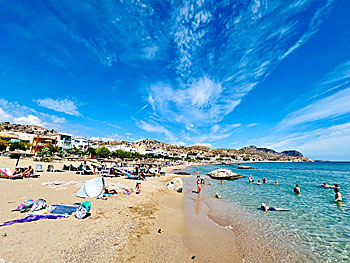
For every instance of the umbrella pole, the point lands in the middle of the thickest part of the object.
(19, 156)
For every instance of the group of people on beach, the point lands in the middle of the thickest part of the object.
(25, 173)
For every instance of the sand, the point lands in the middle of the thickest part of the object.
(123, 228)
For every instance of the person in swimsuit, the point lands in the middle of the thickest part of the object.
(109, 191)
(297, 189)
(138, 187)
(265, 208)
(210, 183)
(276, 183)
(251, 179)
(199, 184)
(264, 180)
(28, 172)
(338, 197)
(258, 183)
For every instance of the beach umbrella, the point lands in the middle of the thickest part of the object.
(19, 153)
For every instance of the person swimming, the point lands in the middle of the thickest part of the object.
(297, 189)
(276, 183)
(258, 183)
(264, 180)
(266, 208)
(210, 183)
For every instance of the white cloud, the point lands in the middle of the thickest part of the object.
(252, 124)
(332, 106)
(30, 119)
(215, 74)
(65, 105)
(155, 127)
(4, 116)
(324, 143)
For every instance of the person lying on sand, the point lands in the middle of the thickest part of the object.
(297, 189)
(28, 172)
(258, 183)
(338, 197)
(17, 171)
(109, 191)
(265, 208)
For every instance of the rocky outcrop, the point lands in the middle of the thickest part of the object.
(224, 174)
(175, 184)
(293, 153)
(30, 129)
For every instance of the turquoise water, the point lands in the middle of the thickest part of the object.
(316, 227)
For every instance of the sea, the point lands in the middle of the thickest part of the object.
(314, 229)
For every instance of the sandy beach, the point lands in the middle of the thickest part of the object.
(123, 228)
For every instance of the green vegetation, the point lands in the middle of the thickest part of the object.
(245, 158)
(3, 145)
(103, 152)
(19, 146)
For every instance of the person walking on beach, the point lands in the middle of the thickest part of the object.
(297, 189)
(199, 184)
(338, 197)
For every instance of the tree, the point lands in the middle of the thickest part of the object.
(18, 146)
(103, 152)
(3, 145)
(92, 151)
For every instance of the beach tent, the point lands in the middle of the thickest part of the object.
(92, 188)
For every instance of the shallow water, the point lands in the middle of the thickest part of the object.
(316, 229)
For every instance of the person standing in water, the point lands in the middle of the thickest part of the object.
(297, 189)
(264, 180)
(199, 184)
(251, 179)
(338, 197)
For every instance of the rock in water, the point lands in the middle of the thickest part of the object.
(224, 174)
(176, 184)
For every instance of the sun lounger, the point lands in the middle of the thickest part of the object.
(51, 168)
(6, 173)
(39, 168)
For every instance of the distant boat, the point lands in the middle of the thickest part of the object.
(245, 167)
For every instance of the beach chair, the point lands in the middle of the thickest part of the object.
(51, 168)
(39, 168)
(6, 173)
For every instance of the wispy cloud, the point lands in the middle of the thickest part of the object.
(329, 107)
(30, 119)
(216, 73)
(154, 127)
(252, 124)
(333, 141)
(61, 105)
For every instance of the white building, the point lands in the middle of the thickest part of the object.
(122, 147)
(64, 140)
(147, 151)
(80, 143)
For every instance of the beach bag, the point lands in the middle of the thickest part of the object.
(83, 210)
(39, 205)
(25, 206)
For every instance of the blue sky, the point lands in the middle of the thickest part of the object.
(226, 74)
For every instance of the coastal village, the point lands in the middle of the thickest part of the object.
(36, 138)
